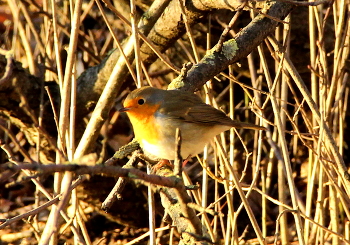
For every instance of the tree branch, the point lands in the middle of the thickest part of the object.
(238, 48)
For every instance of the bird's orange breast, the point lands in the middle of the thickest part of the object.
(144, 123)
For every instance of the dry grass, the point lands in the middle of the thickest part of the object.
(286, 185)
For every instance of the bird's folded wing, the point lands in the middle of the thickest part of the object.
(193, 110)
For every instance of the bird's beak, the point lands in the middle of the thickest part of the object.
(124, 109)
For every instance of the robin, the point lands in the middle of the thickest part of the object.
(155, 114)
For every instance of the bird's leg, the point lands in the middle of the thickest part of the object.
(160, 164)
(185, 162)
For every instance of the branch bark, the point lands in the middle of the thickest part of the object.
(242, 45)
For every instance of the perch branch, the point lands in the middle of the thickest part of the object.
(81, 169)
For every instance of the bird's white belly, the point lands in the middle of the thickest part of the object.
(193, 142)
(159, 151)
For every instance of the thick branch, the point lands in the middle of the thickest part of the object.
(113, 171)
(240, 47)
(20, 104)
(166, 31)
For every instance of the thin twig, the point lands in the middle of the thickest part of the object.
(9, 67)
(307, 4)
(119, 186)
(143, 37)
(178, 157)
(40, 208)
(303, 89)
(227, 29)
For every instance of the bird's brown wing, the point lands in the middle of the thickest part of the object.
(193, 110)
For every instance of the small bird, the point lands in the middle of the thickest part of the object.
(155, 114)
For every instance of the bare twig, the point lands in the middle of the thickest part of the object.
(307, 4)
(303, 89)
(9, 67)
(178, 157)
(175, 201)
(224, 34)
(40, 208)
(119, 186)
(143, 36)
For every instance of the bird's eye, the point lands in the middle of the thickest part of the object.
(141, 101)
